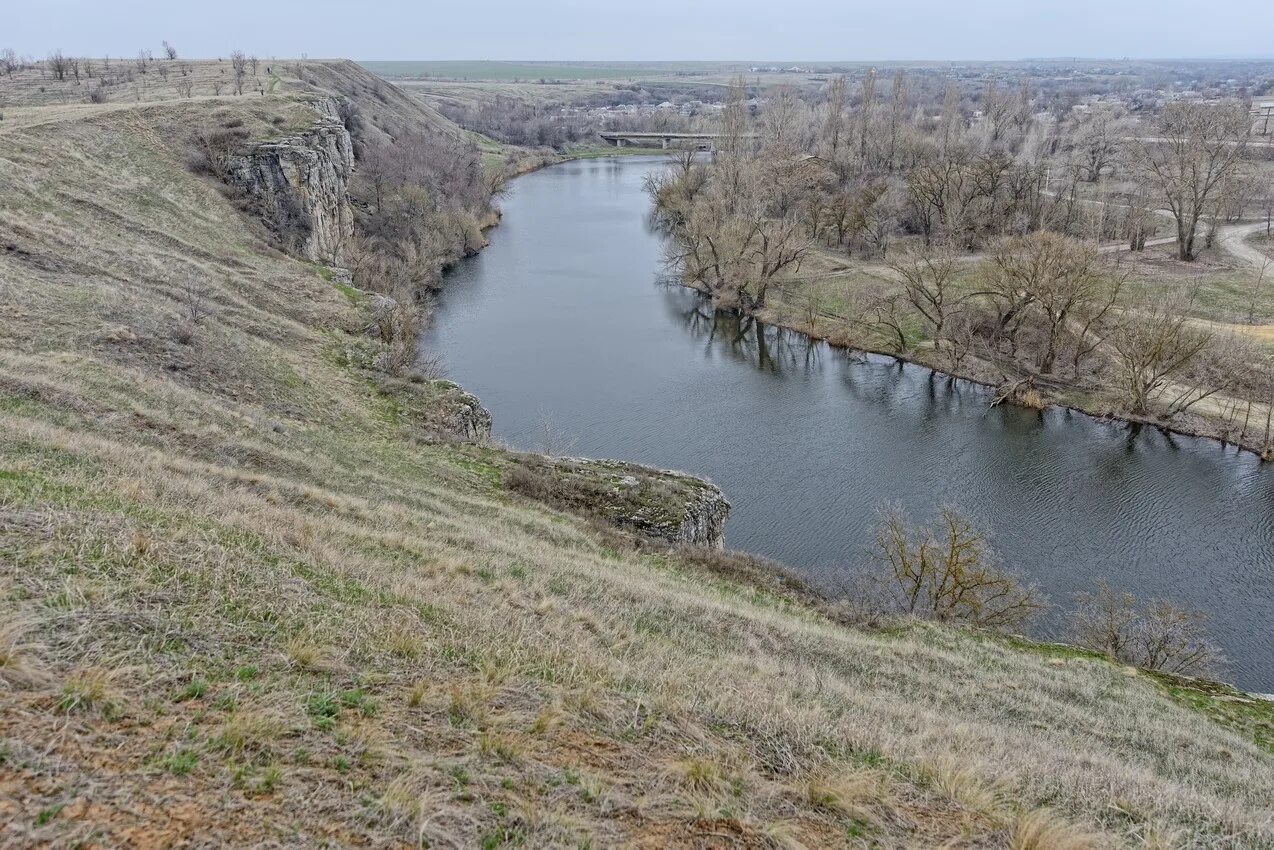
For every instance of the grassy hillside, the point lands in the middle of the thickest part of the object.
(243, 600)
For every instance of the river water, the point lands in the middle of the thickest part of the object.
(563, 322)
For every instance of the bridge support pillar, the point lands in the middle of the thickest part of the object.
(619, 143)
(664, 142)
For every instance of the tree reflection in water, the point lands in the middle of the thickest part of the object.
(744, 338)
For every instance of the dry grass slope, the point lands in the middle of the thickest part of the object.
(238, 605)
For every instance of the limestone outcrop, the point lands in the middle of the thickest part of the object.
(299, 185)
(672, 507)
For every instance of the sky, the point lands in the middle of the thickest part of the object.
(812, 30)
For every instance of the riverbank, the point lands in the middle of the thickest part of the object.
(1025, 393)
(1029, 392)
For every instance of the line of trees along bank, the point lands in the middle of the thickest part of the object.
(989, 231)
(423, 199)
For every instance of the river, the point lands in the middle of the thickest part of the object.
(563, 321)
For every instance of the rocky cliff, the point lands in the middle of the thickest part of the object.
(299, 185)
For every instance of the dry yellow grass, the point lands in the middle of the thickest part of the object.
(269, 616)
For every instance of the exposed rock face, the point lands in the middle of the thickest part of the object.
(461, 414)
(703, 523)
(670, 506)
(299, 184)
(437, 408)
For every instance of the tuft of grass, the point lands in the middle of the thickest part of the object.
(958, 781)
(324, 707)
(1044, 829)
(249, 734)
(19, 662)
(849, 795)
(359, 700)
(180, 762)
(305, 654)
(466, 707)
(702, 776)
(402, 642)
(197, 689)
(416, 695)
(89, 691)
(501, 745)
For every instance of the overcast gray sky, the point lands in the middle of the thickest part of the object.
(648, 29)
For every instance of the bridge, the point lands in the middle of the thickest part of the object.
(703, 141)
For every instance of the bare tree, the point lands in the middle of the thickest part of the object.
(1060, 275)
(898, 95)
(831, 139)
(239, 63)
(865, 114)
(170, 52)
(928, 278)
(951, 123)
(1258, 284)
(1195, 149)
(1098, 141)
(8, 61)
(779, 123)
(58, 65)
(1152, 345)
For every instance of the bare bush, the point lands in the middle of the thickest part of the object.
(193, 298)
(170, 52)
(397, 323)
(1160, 635)
(948, 573)
(213, 148)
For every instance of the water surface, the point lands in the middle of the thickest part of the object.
(562, 319)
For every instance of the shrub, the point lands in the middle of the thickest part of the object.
(1160, 635)
(947, 573)
(211, 150)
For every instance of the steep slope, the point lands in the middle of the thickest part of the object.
(245, 600)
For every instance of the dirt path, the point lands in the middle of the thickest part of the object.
(1233, 240)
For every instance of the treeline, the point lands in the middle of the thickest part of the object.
(989, 221)
(515, 122)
